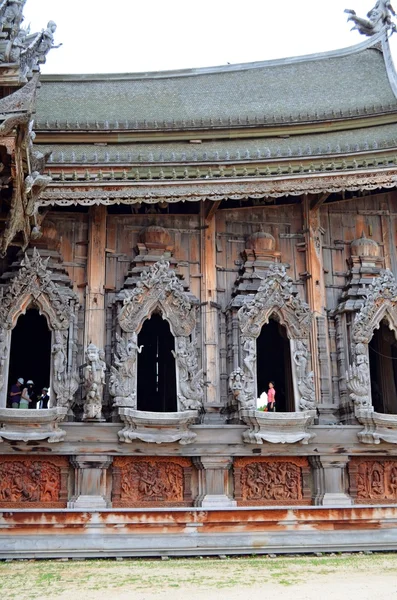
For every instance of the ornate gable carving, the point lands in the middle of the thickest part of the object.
(158, 287)
(275, 295)
(380, 301)
(33, 283)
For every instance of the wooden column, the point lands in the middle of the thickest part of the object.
(94, 330)
(317, 298)
(209, 304)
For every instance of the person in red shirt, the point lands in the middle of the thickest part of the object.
(271, 398)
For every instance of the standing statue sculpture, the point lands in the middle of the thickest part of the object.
(94, 381)
(378, 17)
(190, 377)
(122, 382)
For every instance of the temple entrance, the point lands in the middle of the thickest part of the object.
(156, 367)
(30, 353)
(274, 364)
(383, 369)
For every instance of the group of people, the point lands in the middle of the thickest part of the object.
(267, 400)
(24, 396)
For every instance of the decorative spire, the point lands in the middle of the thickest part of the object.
(379, 17)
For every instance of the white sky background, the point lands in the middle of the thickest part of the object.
(104, 36)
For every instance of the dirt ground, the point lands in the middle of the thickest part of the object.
(347, 577)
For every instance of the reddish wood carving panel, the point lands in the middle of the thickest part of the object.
(151, 481)
(270, 481)
(373, 481)
(39, 482)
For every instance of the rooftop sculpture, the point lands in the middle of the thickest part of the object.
(378, 17)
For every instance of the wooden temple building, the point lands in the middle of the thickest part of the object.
(171, 243)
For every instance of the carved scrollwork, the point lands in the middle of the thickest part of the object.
(158, 287)
(275, 295)
(380, 301)
(33, 283)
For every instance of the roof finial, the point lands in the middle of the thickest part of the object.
(379, 17)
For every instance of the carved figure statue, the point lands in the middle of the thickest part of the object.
(190, 377)
(3, 356)
(122, 381)
(307, 390)
(249, 348)
(94, 379)
(10, 17)
(378, 17)
(58, 352)
(241, 389)
(358, 379)
(300, 359)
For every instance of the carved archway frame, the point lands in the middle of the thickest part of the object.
(277, 298)
(33, 287)
(380, 304)
(158, 289)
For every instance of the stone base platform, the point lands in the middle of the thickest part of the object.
(194, 531)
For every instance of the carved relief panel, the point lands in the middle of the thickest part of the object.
(152, 481)
(39, 482)
(373, 481)
(271, 481)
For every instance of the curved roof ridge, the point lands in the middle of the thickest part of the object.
(341, 52)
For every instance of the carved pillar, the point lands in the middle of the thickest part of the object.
(90, 481)
(94, 330)
(330, 480)
(317, 301)
(214, 481)
(210, 311)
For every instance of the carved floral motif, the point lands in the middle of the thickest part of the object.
(270, 481)
(373, 480)
(140, 481)
(40, 481)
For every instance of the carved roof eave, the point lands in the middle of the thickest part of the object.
(151, 192)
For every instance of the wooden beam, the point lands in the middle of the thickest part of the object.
(94, 330)
(317, 202)
(212, 208)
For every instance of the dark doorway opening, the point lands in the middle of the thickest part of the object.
(274, 364)
(30, 353)
(156, 389)
(383, 370)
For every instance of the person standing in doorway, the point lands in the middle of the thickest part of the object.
(25, 397)
(44, 398)
(271, 398)
(32, 394)
(15, 393)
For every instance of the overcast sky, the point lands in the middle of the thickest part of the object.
(100, 36)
